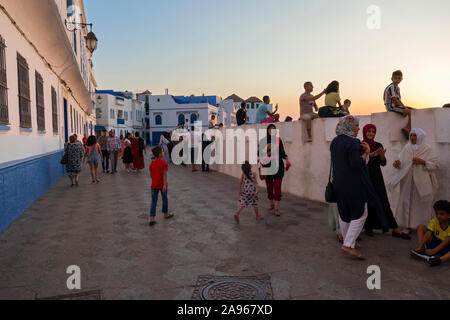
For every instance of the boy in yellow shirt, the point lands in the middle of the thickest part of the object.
(434, 240)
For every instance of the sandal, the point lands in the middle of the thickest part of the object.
(401, 235)
(358, 256)
(277, 213)
(170, 216)
(259, 218)
(271, 208)
(152, 223)
(340, 240)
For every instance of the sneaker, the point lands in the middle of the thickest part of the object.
(93, 182)
(421, 254)
(434, 261)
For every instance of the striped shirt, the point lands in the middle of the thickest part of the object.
(392, 91)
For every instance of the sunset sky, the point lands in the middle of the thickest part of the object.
(259, 47)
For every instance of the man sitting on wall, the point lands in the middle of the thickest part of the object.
(307, 103)
(241, 115)
(264, 110)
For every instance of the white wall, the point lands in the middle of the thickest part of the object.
(17, 143)
(310, 161)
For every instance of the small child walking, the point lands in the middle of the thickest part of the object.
(158, 173)
(249, 195)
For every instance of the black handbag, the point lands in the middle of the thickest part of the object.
(330, 196)
(65, 158)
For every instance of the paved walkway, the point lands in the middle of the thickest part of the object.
(103, 229)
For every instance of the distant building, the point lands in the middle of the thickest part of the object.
(252, 104)
(46, 94)
(120, 112)
(166, 112)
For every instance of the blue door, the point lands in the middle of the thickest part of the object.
(66, 129)
(156, 136)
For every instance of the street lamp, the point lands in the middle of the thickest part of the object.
(91, 39)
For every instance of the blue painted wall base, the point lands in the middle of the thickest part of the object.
(23, 182)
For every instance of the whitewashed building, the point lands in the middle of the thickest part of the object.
(252, 104)
(166, 112)
(120, 112)
(46, 94)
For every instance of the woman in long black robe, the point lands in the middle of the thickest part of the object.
(378, 160)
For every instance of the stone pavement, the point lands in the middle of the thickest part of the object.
(103, 229)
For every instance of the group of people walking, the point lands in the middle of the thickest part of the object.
(107, 150)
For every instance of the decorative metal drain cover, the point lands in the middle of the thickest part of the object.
(88, 295)
(233, 288)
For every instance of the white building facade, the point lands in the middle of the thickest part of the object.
(120, 112)
(46, 94)
(166, 112)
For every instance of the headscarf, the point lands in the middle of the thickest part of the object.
(347, 125)
(421, 136)
(370, 142)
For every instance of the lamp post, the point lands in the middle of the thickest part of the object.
(90, 38)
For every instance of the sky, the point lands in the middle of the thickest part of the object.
(271, 47)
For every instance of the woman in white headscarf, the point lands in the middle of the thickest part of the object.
(415, 183)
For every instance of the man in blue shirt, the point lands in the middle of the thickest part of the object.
(264, 111)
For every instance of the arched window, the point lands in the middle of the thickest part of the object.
(193, 118)
(158, 120)
(181, 119)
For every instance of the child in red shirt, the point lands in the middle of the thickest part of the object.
(158, 173)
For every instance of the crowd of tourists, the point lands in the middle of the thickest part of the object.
(356, 192)
(106, 150)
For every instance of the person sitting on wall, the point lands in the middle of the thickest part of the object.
(288, 119)
(241, 115)
(307, 103)
(393, 102)
(333, 104)
(263, 110)
(446, 105)
(345, 107)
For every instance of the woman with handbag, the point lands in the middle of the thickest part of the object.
(75, 155)
(351, 183)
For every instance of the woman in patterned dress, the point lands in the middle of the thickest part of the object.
(248, 196)
(75, 155)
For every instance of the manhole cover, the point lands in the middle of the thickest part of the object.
(233, 288)
(88, 295)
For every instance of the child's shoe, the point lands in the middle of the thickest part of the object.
(434, 261)
(259, 218)
(421, 254)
